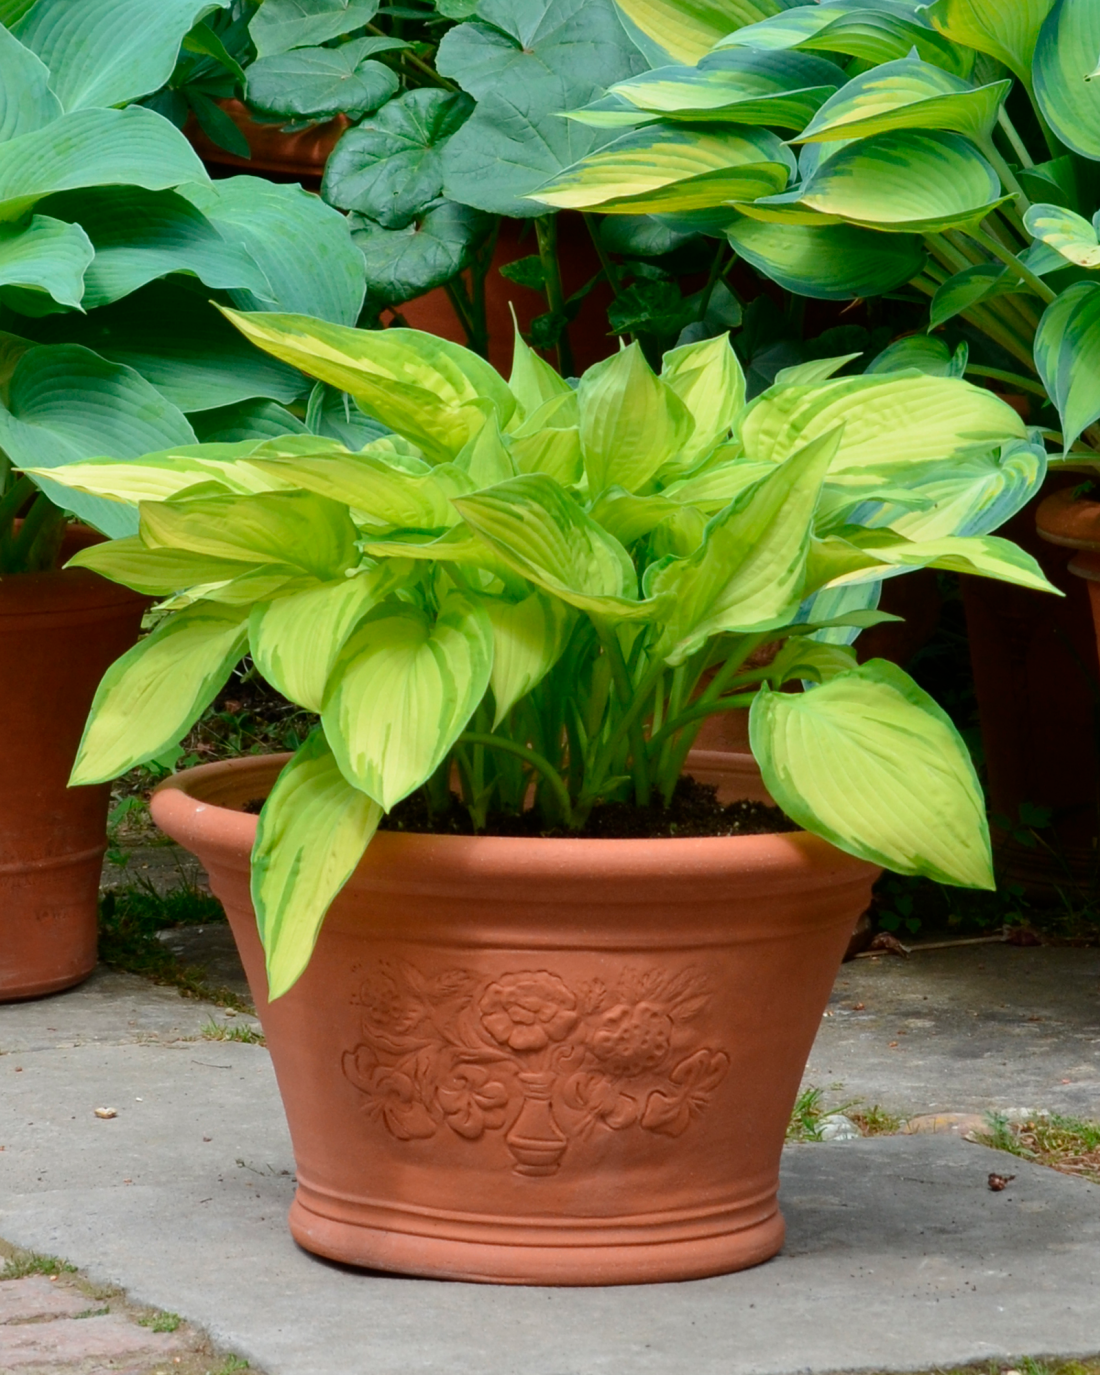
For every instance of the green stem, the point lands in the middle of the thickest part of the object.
(610, 270)
(1019, 147)
(1010, 260)
(1007, 176)
(629, 700)
(424, 68)
(700, 712)
(712, 282)
(1014, 378)
(546, 231)
(537, 761)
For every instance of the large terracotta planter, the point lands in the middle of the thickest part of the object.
(59, 632)
(547, 1061)
(300, 155)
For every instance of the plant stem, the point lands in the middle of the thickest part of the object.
(610, 270)
(1014, 378)
(699, 712)
(988, 240)
(546, 231)
(631, 701)
(537, 761)
(712, 281)
(1019, 147)
(41, 521)
(1007, 176)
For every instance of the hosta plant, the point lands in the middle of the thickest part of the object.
(539, 589)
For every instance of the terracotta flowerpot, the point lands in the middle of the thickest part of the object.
(722, 757)
(59, 632)
(288, 156)
(1034, 661)
(541, 1061)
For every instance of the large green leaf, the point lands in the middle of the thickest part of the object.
(1066, 85)
(159, 476)
(631, 422)
(303, 246)
(973, 493)
(832, 262)
(107, 52)
(673, 169)
(1067, 354)
(313, 830)
(390, 166)
(859, 555)
(245, 420)
(66, 403)
(46, 261)
(869, 761)
(131, 147)
(1070, 234)
(528, 639)
(708, 379)
(686, 29)
(26, 100)
(279, 25)
(905, 181)
(141, 235)
(151, 697)
(315, 82)
(907, 94)
(156, 572)
(1007, 32)
(401, 691)
(407, 262)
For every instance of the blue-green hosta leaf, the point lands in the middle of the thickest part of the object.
(321, 82)
(141, 235)
(1066, 83)
(245, 420)
(1070, 234)
(688, 29)
(332, 412)
(832, 262)
(749, 572)
(973, 494)
(66, 403)
(401, 691)
(528, 639)
(26, 100)
(133, 147)
(46, 260)
(968, 288)
(302, 246)
(631, 422)
(279, 25)
(308, 532)
(155, 692)
(1007, 32)
(390, 167)
(295, 640)
(674, 169)
(905, 181)
(156, 572)
(423, 387)
(709, 380)
(108, 52)
(907, 94)
(1067, 354)
(541, 532)
(403, 263)
(313, 830)
(869, 761)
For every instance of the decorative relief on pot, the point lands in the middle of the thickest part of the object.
(525, 1053)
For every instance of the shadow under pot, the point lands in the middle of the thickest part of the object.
(540, 1061)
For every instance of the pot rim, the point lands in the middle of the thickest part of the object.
(1069, 521)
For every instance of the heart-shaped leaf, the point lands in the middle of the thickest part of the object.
(279, 25)
(316, 82)
(403, 263)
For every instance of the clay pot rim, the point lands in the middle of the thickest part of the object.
(1073, 523)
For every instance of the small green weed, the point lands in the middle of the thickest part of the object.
(220, 1031)
(810, 1110)
(93, 1313)
(161, 1322)
(23, 1263)
(1068, 1144)
(230, 1366)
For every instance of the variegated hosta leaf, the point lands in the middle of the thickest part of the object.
(749, 573)
(673, 169)
(903, 181)
(155, 692)
(401, 691)
(1070, 234)
(1007, 32)
(426, 388)
(159, 476)
(709, 380)
(967, 288)
(713, 489)
(156, 572)
(687, 29)
(859, 555)
(832, 262)
(631, 422)
(925, 352)
(907, 94)
(533, 381)
(869, 761)
(809, 660)
(485, 459)
(528, 639)
(295, 640)
(1067, 354)
(548, 443)
(312, 833)
(628, 517)
(1065, 73)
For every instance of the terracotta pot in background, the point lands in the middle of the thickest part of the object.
(59, 632)
(288, 156)
(541, 1061)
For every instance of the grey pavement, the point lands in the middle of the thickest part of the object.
(898, 1256)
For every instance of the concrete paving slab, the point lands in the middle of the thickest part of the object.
(898, 1254)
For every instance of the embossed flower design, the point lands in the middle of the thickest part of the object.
(472, 1101)
(387, 1008)
(391, 1095)
(631, 1040)
(529, 1010)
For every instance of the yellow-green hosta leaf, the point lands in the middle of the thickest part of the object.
(749, 573)
(832, 262)
(253, 585)
(907, 94)
(973, 493)
(557, 453)
(847, 557)
(869, 761)
(485, 460)
(904, 181)
(528, 639)
(295, 640)
(629, 517)
(1006, 31)
(686, 29)
(533, 381)
(540, 532)
(1066, 73)
(1068, 233)
(714, 488)
(155, 692)
(1067, 354)
(401, 691)
(664, 169)
(427, 389)
(460, 546)
(156, 572)
(814, 661)
(968, 288)
(312, 833)
(166, 474)
(309, 532)
(708, 379)
(631, 422)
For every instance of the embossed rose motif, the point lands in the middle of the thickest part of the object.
(632, 1040)
(529, 1010)
(472, 1101)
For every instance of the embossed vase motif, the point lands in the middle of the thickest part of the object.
(541, 1061)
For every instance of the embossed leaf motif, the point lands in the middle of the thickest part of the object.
(695, 1079)
(391, 1095)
